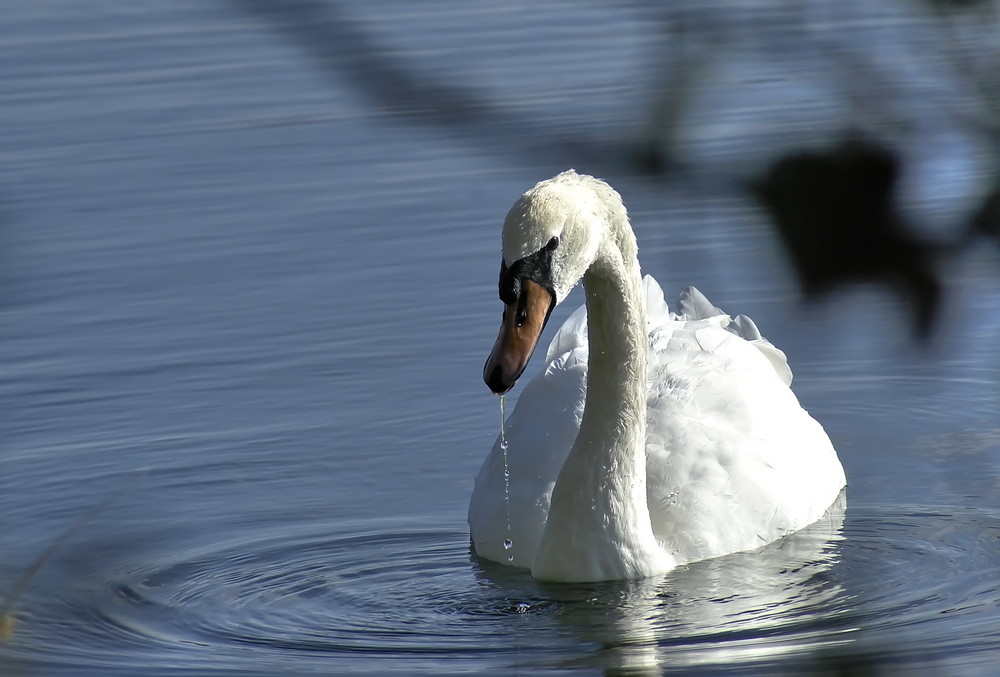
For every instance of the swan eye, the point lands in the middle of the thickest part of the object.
(552, 244)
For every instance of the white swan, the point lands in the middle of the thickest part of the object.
(659, 440)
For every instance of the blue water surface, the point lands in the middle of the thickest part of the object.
(248, 285)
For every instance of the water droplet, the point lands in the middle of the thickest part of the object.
(508, 543)
(503, 421)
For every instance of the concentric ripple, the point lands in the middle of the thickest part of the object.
(305, 595)
(879, 586)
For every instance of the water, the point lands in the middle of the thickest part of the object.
(508, 543)
(246, 299)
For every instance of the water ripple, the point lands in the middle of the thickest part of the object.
(297, 599)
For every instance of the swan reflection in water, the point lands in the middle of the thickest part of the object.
(745, 608)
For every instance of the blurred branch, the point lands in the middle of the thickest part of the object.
(7, 616)
(835, 212)
(342, 48)
(984, 81)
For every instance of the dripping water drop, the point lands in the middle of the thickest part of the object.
(503, 428)
(508, 543)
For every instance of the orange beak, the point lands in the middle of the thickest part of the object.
(523, 322)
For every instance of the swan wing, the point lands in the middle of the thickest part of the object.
(733, 461)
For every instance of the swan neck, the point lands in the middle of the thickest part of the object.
(599, 514)
(616, 374)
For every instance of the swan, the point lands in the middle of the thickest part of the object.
(650, 439)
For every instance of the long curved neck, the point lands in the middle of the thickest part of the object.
(598, 525)
(613, 430)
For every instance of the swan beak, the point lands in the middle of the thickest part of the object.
(523, 322)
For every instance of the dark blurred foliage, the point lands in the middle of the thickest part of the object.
(835, 211)
(835, 207)
(836, 214)
(986, 221)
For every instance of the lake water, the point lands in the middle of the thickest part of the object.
(248, 285)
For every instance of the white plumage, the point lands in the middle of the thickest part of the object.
(732, 461)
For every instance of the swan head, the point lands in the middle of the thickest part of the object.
(551, 236)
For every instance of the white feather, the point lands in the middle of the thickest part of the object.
(732, 461)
